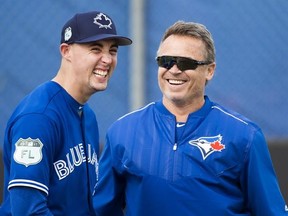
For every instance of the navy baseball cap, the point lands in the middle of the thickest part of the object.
(90, 27)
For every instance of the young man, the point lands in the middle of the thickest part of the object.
(51, 142)
(186, 155)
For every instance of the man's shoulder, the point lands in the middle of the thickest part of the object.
(37, 101)
(145, 110)
(232, 118)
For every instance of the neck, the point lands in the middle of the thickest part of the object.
(182, 111)
(70, 87)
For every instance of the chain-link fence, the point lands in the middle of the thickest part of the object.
(251, 40)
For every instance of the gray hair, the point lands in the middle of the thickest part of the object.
(194, 30)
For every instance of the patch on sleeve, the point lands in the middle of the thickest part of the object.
(28, 151)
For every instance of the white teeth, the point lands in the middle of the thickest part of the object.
(176, 82)
(101, 73)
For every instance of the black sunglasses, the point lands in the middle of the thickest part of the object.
(183, 63)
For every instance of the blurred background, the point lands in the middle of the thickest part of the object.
(251, 40)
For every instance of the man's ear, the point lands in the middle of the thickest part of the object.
(210, 71)
(65, 50)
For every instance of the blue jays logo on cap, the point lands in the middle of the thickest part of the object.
(90, 27)
(208, 145)
(103, 21)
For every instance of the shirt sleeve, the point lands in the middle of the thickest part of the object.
(260, 181)
(37, 204)
(32, 140)
(108, 194)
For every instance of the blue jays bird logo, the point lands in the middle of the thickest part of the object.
(208, 145)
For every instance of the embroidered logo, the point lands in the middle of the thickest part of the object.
(28, 151)
(103, 21)
(178, 125)
(208, 145)
(67, 33)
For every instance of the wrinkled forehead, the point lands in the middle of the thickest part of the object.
(107, 43)
(185, 46)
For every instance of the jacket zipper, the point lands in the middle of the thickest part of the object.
(175, 146)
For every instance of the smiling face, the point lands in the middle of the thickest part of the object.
(184, 88)
(87, 68)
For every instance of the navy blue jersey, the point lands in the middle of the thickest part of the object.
(51, 144)
(218, 164)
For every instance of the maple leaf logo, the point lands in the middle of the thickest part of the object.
(217, 146)
(103, 21)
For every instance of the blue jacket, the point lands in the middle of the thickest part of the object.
(218, 164)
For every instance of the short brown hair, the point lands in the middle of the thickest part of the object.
(194, 30)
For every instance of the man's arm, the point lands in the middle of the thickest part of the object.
(28, 201)
(263, 191)
(108, 195)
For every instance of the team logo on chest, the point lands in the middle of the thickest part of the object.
(28, 151)
(208, 145)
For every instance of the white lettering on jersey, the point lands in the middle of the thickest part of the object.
(61, 169)
(74, 158)
(28, 151)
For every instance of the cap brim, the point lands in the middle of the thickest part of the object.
(121, 41)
